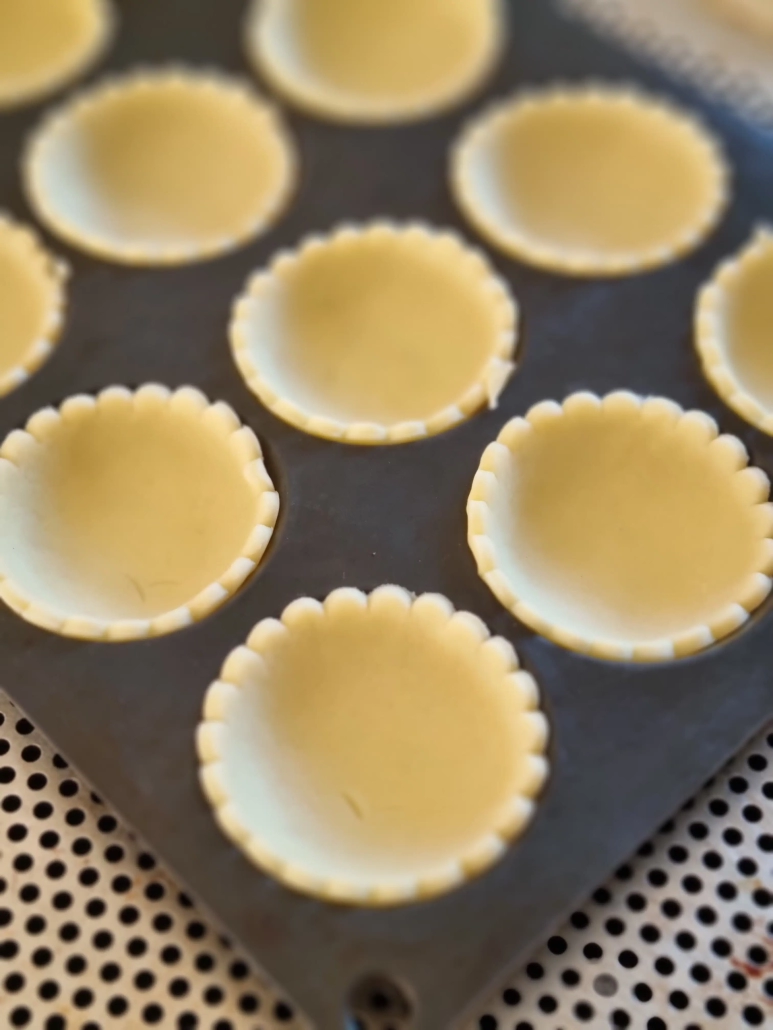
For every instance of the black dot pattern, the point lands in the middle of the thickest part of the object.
(93, 935)
(680, 939)
(683, 939)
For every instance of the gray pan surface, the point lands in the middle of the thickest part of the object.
(630, 743)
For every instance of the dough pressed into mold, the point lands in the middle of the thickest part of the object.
(756, 16)
(373, 749)
(369, 61)
(130, 514)
(161, 166)
(622, 527)
(47, 43)
(734, 331)
(377, 334)
(32, 303)
(590, 180)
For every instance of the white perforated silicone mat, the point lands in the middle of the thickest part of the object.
(94, 935)
(701, 40)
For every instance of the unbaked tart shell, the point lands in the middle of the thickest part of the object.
(32, 303)
(734, 331)
(622, 527)
(590, 180)
(373, 749)
(46, 43)
(376, 334)
(756, 16)
(355, 61)
(130, 514)
(161, 166)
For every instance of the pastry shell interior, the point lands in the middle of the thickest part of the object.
(47, 43)
(622, 527)
(130, 514)
(32, 303)
(590, 180)
(360, 61)
(734, 331)
(754, 16)
(377, 334)
(161, 166)
(373, 749)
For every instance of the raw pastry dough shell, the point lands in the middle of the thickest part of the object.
(664, 429)
(493, 702)
(713, 332)
(47, 276)
(95, 37)
(570, 258)
(48, 148)
(443, 248)
(324, 99)
(756, 16)
(25, 452)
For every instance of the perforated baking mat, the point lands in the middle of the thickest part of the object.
(95, 935)
(630, 744)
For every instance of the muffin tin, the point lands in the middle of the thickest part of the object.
(630, 742)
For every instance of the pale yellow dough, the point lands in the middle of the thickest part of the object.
(734, 331)
(373, 749)
(32, 302)
(377, 334)
(130, 514)
(162, 166)
(589, 180)
(370, 61)
(46, 43)
(756, 16)
(622, 527)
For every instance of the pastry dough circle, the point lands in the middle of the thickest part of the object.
(161, 166)
(32, 303)
(377, 334)
(622, 527)
(372, 749)
(734, 334)
(129, 515)
(590, 180)
(46, 43)
(374, 62)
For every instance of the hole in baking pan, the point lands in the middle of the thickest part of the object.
(378, 1000)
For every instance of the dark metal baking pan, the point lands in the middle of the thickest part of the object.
(630, 743)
